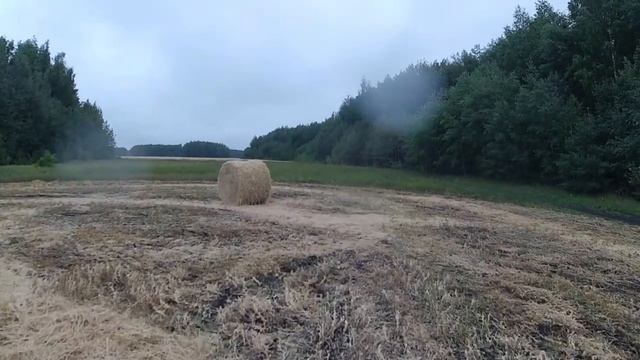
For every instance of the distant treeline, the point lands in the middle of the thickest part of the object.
(190, 149)
(555, 99)
(40, 110)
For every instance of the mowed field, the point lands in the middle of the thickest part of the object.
(117, 269)
(181, 169)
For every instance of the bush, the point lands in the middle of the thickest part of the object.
(634, 181)
(46, 160)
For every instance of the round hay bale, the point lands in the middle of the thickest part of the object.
(244, 182)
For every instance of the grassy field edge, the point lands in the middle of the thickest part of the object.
(612, 206)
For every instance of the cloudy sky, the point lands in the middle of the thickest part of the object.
(173, 71)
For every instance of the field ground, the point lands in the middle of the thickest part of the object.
(135, 269)
(615, 207)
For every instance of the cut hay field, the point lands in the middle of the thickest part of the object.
(162, 269)
(611, 206)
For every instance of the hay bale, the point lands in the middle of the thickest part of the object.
(244, 182)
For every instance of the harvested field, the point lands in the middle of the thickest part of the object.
(165, 270)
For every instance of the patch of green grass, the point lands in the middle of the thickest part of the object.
(297, 172)
(134, 169)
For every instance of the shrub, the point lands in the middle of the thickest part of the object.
(634, 181)
(46, 160)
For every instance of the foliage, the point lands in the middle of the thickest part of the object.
(120, 151)
(40, 108)
(604, 150)
(190, 149)
(282, 143)
(46, 160)
(554, 100)
(204, 149)
(369, 129)
(156, 150)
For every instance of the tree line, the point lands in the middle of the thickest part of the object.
(190, 149)
(40, 110)
(554, 100)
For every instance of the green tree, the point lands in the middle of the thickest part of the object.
(40, 110)
(553, 100)
(526, 137)
(604, 150)
(205, 149)
(459, 130)
(603, 34)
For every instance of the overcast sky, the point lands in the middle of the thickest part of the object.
(174, 71)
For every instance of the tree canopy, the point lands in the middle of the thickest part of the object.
(555, 100)
(40, 109)
(190, 149)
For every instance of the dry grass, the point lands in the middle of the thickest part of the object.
(244, 182)
(141, 271)
(36, 323)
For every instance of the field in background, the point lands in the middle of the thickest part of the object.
(625, 209)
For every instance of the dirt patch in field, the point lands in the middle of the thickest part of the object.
(319, 272)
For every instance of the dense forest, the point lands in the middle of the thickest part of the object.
(190, 149)
(40, 109)
(555, 100)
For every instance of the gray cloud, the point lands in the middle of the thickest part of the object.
(174, 71)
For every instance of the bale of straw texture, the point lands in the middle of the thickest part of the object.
(244, 182)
